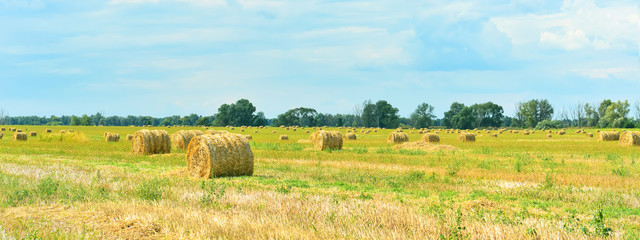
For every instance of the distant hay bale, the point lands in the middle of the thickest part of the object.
(181, 139)
(590, 135)
(630, 139)
(273, 131)
(608, 136)
(19, 136)
(3, 129)
(19, 130)
(397, 137)
(213, 132)
(549, 135)
(112, 137)
(323, 140)
(1, 135)
(129, 137)
(255, 131)
(248, 137)
(284, 137)
(562, 132)
(431, 137)
(466, 137)
(33, 134)
(598, 130)
(526, 132)
(219, 155)
(350, 136)
(149, 142)
(48, 130)
(13, 129)
(104, 134)
(494, 135)
(63, 131)
(71, 130)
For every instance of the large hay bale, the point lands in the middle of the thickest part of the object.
(630, 139)
(181, 138)
(129, 137)
(431, 137)
(397, 137)
(327, 140)
(219, 155)
(19, 136)
(350, 136)
(151, 142)
(284, 137)
(608, 136)
(33, 134)
(466, 137)
(112, 137)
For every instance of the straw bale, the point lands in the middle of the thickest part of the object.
(112, 137)
(608, 136)
(327, 140)
(466, 137)
(248, 137)
(149, 142)
(129, 137)
(397, 137)
(19, 136)
(430, 137)
(19, 130)
(284, 137)
(219, 155)
(180, 139)
(590, 135)
(630, 139)
(549, 135)
(48, 131)
(33, 134)
(350, 136)
(562, 132)
(63, 131)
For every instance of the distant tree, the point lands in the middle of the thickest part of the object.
(615, 114)
(85, 120)
(369, 114)
(423, 116)
(387, 115)
(75, 121)
(240, 113)
(487, 115)
(204, 121)
(463, 120)
(531, 112)
(455, 108)
(298, 117)
(223, 117)
(260, 119)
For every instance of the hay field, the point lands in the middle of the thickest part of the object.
(513, 186)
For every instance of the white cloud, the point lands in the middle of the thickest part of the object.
(259, 3)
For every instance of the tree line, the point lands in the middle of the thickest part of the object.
(535, 113)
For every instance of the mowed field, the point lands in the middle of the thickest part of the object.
(513, 186)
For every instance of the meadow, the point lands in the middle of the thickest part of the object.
(514, 186)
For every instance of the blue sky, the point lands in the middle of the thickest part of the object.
(176, 57)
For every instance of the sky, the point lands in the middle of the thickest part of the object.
(177, 57)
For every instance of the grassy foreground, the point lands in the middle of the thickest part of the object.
(514, 186)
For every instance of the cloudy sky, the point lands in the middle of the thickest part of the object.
(176, 57)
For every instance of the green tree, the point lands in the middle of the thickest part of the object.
(455, 108)
(240, 113)
(615, 114)
(298, 117)
(531, 112)
(487, 114)
(369, 114)
(423, 116)
(85, 120)
(223, 117)
(387, 115)
(75, 121)
(463, 120)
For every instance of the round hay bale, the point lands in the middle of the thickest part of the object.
(19, 136)
(151, 142)
(1, 135)
(47, 130)
(549, 135)
(219, 155)
(180, 139)
(214, 132)
(608, 136)
(284, 137)
(255, 131)
(71, 130)
(273, 131)
(397, 137)
(590, 135)
(494, 135)
(431, 137)
(350, 136)
(19, 130)
(129, 137)
(112, 137)
(3, 129)
(105, 134)
(248, 137)
(306, 131)
(327, 140)
(63, 131)
(630, 139)
(33, 134)
(466, 137)
(562, 132)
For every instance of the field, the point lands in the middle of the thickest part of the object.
(515, 186)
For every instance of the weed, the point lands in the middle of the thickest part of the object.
(150, 190)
